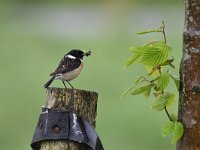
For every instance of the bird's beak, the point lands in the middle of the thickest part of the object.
(88, 53)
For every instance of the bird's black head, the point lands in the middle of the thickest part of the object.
(78, 53)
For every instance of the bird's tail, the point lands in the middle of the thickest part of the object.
(49, 82)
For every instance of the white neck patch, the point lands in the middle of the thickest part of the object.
(70, 56)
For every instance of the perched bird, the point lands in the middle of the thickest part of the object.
(69, 67)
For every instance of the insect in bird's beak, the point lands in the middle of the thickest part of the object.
(88, 53)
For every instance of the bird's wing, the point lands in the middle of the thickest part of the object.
(66, 65)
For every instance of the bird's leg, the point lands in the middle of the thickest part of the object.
(64, 83)
(70, 85)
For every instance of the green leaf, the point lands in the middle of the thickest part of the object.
(173, 127)
(147, 93)
(142, 89)
(176, 80)
(168, 62)
(163, 101)
(157, 94)
(167, 128)
(160, 29)
(171, 99)
(131, 60)
(140, 80)
(159, 104)
(155, 54)
(155, 73)
(163, 81)
(136, 52)
(174, 117)
(178, 131)
(135, 49)
(149, 31)
(152, 54)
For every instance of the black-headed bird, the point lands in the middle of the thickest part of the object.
(69, 67)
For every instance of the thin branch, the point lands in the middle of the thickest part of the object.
(168, 115)
(166, 111)
(144, 79)
(163, 31)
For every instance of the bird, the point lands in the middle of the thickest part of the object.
(69, 67)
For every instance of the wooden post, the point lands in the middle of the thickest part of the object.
(84, 103)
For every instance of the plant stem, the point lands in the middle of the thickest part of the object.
(166, 111)
(144, 79)
(168, 115)
(163, 31)
(164, 36)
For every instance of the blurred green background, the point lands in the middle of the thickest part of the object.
(36, 34)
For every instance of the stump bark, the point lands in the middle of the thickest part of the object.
(83, 103)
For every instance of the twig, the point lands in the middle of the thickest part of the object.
(166, 111)
(163, 31)
(168, 114)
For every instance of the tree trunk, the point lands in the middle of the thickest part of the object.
(84, 103)
(189, 102)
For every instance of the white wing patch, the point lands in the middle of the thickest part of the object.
(70, 56)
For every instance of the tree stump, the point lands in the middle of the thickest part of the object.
(83, 103)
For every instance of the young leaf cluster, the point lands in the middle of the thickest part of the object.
(173, 127)
(151, 54)
(156, 57)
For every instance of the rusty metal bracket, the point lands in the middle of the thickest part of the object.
(63, 125)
